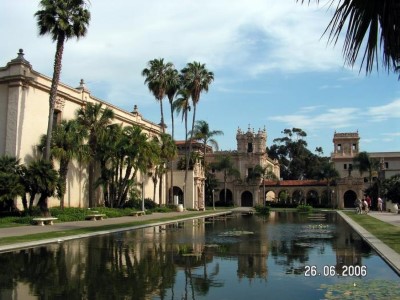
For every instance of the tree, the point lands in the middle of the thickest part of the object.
(62, 20)
(196, 79)
(157, 81)
(95, 120)
(67, 143)
(259, 172)
(366, 21)
(10, 181)
(173, 86)
(364, 163)
(292, 153)
(203, 134)
(41, 178)
(168, 152)
(225, 165)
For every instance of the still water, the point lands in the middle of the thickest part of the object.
(282, 256)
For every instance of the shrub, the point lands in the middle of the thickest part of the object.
(263, 210)
(304, 208)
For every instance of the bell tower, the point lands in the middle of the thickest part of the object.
(251, 142)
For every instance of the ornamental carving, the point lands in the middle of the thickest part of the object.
(60, 103)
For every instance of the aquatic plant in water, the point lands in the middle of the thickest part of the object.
(363, 289)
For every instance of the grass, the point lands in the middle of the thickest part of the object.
(61, 234)
(387, 233)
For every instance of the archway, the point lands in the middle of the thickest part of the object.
(225, 202)
(312, 198)
(247, 199)
(349, 198)
(298, 196)
(284, 197)
(178, 195)
(270, 196)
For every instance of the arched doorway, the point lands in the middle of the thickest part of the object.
(247, 199)
(349, 197)
(178, 195)
(225, 202)
(312, 198)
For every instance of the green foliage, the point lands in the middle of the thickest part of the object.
(304, 208)
(296, 161)
(263, 210)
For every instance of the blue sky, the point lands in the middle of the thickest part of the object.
(273, 68)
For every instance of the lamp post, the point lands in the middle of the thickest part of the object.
(332, 194)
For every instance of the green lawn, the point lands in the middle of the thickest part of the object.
(387, 233)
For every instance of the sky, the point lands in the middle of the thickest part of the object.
(273, 67)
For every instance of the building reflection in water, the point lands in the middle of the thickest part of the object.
(188, 258)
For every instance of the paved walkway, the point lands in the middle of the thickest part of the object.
(389, 255)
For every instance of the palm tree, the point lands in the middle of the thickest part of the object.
(366, 21)
(168, 152)
(10, 180)
(203, 133)
(67, 143)
(224, 164)
(196, 79)
(157, 80)
(182, 105)
(95, 120)
(173, 86)
(259, 172)
(41, 178)
(62, 20)
(329, 173)
(364, 163)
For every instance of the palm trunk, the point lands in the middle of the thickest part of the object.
(53, 92)
(171, 191)
(63, 171)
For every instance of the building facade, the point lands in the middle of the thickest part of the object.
(24, 109)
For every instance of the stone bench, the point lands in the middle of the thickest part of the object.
(44, 221)
(95, 217)
(138, 213)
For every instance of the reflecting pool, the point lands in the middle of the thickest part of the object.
(285, 255)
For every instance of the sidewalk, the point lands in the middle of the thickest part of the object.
(391, 257)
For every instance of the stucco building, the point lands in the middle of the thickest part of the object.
(24, 106)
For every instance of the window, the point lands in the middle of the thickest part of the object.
(56, 118)
(345, 166)
(339, 147)
(250, 147)
(354, 146)
(386, 165)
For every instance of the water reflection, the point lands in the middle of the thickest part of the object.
(232, 257)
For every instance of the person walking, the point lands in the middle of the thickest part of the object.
(380, 204)
(358, 205)
(365, 206)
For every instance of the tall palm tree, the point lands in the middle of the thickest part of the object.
(167, 153)
(196, 79)
(67, 143)
(157, 81)
(62, 20)
(366, 21)
(203, 133)
(182, 105)
(95, 120)
(173, 86)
